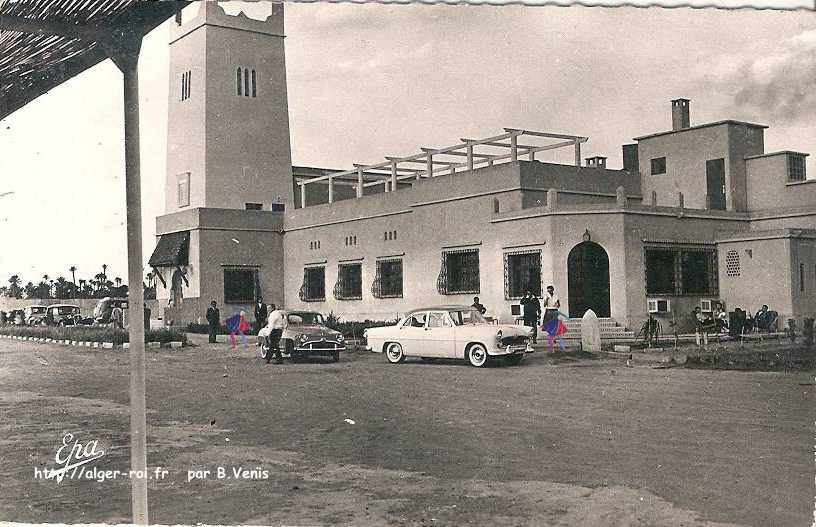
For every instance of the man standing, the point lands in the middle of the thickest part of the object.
(277, 323)
(531, 311)
(479, 307)
(551, 305)
(213, 320)
(260, 314)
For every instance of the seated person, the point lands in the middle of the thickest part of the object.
(418, 321)
(703, 321)
(721, 318)
(765, 320)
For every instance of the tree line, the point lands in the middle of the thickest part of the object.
(99, 286)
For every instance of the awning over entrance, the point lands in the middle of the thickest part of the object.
(172, 250)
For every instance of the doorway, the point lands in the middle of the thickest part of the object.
(715, 183)
(588, 280)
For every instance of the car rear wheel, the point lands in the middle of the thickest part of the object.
(263, 349)
(477, 355)
(394, 353)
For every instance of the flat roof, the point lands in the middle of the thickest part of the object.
(699, 126)
(779, 153)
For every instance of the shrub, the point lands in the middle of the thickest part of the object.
(91, 333)
(354, 329)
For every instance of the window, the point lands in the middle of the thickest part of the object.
(254, 89)
(313, 288)
(253, 206)
(522, 271)
(239, 81)
(459, 273)
(349, 284)
(183, 188)
(658, 166)
(438, 320)
(390, 235)
(388, 282)
(801, 277)
(244, 77)
(240, 286)
(185, 85)
(351, 240)
(681, 271)
(246, 82)
(796, 168)
(732, 263)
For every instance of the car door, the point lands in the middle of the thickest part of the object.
(439, 337)
(411, 333)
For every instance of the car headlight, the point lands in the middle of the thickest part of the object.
(303, 338)
(340, 337)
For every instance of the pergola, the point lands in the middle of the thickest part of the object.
(443, 161)
(42, 45)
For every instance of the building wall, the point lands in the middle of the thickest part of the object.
(186, 129)
(742, 141)
(769, 188)
(221, 238)
(803, 252)
(765, 275)
(686, 153)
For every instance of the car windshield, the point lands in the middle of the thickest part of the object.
(297, 319)
(67, 310)
(37, 310)
(466, 316)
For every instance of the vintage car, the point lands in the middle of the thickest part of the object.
(34, 315)
(306, 335)
(453, 332)
(63, 315)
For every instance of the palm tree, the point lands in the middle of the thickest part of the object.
(15, 290)
(73, 269)
(104, 271)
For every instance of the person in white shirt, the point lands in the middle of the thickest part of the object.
(551, 305)
(276, 324)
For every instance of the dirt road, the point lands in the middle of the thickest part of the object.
(363, 442)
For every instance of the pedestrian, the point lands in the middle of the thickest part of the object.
(478, 306)
(551, 305)
(213, 320)
(531, 311)
(146, 317)
(117, 317)
(261, 314)
(237, 324)
(277, 323)
(554, 328)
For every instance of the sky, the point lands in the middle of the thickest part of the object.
(367, 81)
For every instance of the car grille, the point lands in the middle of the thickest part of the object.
(321, 345)
(518, 340)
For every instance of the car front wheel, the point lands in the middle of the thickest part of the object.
(477, 355)
(394, 353)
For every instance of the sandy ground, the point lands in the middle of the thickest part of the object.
(557, 441)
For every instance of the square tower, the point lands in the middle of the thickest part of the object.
(228, 118)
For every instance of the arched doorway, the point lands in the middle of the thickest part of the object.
(588, 280)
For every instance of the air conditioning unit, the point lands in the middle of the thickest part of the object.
(658, 305)
(707, 306)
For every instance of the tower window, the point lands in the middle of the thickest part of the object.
(238, 80)
(246, 82)
(183, 188)
(186, 77)
(253, 206)
(796, 168)
(254, 88)
(658, 166)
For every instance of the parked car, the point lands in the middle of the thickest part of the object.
(306, 335)
(34, 315)
(102, 313)
(63, 315)
(453, 332)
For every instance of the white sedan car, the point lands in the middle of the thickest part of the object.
(452, 332)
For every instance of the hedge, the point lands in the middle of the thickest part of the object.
(91, 333)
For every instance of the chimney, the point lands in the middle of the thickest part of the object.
(630, 158)
(596, 162)
(680, 114)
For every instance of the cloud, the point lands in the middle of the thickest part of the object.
(779, 85)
